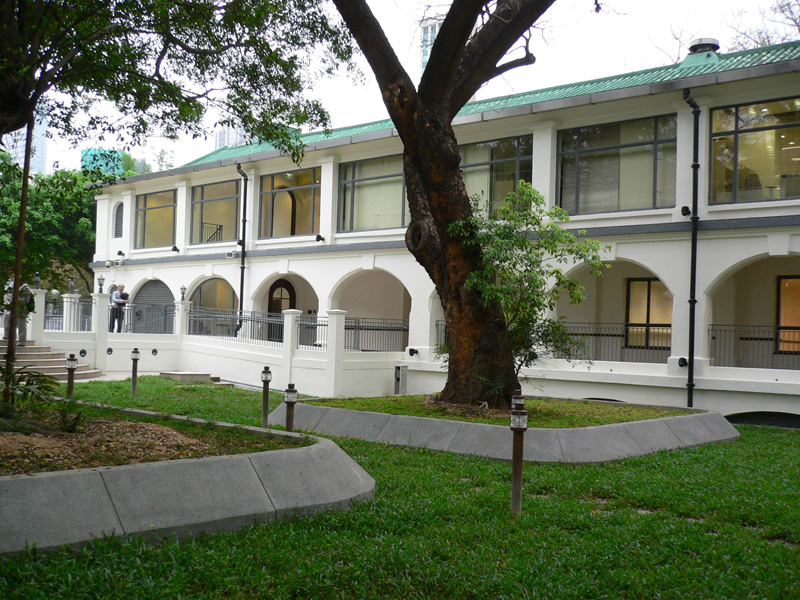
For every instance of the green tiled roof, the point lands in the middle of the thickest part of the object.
(726, 62)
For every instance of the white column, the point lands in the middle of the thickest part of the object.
(334, 371)
(102, 234)
(329, 183)
(289, 340)
(100, 318)
(70, 311)
(36, 325)
(545, 135)
(183, 215)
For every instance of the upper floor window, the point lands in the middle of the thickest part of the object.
(119, 213)
(755, 152)
(289, 204)
(215, 212)
(155, 220)
(618, 166)
(493, 169)
(372, 194)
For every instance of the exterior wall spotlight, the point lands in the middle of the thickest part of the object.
(120, 253)
(266, 377)
(100, 281)
(175, 249)
(686, 211)
(290, 399)
(519, 424)
(413, 351)
(320, 238)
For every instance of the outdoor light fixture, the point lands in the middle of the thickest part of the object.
(686, 211)
(71, 282)
(290, 399)
(36, 281)
(519, 424)
(413, 351)
(72, 364)
(320, 238)
(266, 377)
(120, 253)
(135, 356)
(100, 281)
(175, 249)
(183, 293)
(108, 264)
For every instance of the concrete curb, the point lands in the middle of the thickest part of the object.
(578, 446)
(179, 497)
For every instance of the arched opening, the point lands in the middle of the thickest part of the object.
(284, 214)
(213, 311)
(282, 296)
(151, 310)
(119, 214)
(215, 293)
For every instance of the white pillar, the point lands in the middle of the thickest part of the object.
(100, 328)
(36, 325)
(328, 208)
(289, 340)
(70, 312)
(334, 351)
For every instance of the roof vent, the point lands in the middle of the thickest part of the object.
(703, 45)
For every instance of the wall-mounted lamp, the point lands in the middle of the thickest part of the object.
(682, 362)
(100, 281)
(686, 211)
(175, 249)
(320, 238)
(120, 253)
(413, 351)
(183, 293)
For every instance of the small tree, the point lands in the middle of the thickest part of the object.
(524, 251)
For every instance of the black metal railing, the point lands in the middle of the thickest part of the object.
(375, 335)
(81, 319)
(148, 318)
(620, 342)
(265, 329)
(312, 333)
(212, 232)
(754, 346)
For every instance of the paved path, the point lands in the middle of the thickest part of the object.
(180, 497)
(581, 445)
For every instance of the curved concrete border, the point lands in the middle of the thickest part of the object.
(580, 445)
(184, 497)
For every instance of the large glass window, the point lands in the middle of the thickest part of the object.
(215, 293)
(215, 212)
(289, 204)
(155, 220)
(755, 152)
(493, 169)
(648, 316)
(789, 314)
(618, 166)
(372, 194)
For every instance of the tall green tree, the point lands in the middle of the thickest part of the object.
(470, 49)
(161, 64)
(775, 25)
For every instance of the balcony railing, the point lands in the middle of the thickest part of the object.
(375, 335)
(264, 329)
(619, 342)
(756, 346)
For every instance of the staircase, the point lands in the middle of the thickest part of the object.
(44, 360)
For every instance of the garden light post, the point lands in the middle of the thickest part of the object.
(266, 377)
(519, 424)
(290, 399)
(100, 281)
(135, 355)
(72, 364)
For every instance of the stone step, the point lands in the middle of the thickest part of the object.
(87, 374)
(44, 360)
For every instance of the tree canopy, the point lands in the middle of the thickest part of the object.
(777, 24)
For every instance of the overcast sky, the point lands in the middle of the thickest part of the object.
(575, 44)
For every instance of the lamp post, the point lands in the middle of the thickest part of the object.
(135, 356)
(290, 399)
(519, 424)
(266, 377)
(183, 293)
(72, 364)
(100, 281)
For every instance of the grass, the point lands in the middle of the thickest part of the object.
(717, 521)
(542, 412)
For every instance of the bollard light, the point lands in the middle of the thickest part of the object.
(72, 364)
(135, 356)
(266, 377)
(290, 399)
(100, 281)
(519, 424)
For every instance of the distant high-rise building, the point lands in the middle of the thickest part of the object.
(430, 27)
(230, 136)
(15, 145)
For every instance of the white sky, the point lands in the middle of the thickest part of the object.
(576, 44)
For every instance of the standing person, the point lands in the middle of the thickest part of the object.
(26, 306)
(118, 303)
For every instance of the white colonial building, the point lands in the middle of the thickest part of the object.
(330, 298)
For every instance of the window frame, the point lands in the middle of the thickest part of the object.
(350, 202)
(648, 325)
(781, 328)
(316, 190)
(237, 202)
(139, 244)
(492, 162)
(576, 153)
(736, 132)
(119, 220)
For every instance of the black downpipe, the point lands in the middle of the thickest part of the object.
(241, 243)
(695, 218)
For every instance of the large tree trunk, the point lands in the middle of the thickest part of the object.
(480, 363)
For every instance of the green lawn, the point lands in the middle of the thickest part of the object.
(719, 521)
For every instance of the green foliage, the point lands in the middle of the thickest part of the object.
(163, 64)
(525, 256)
(713, 522)
(28, 387)
(59, 224)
